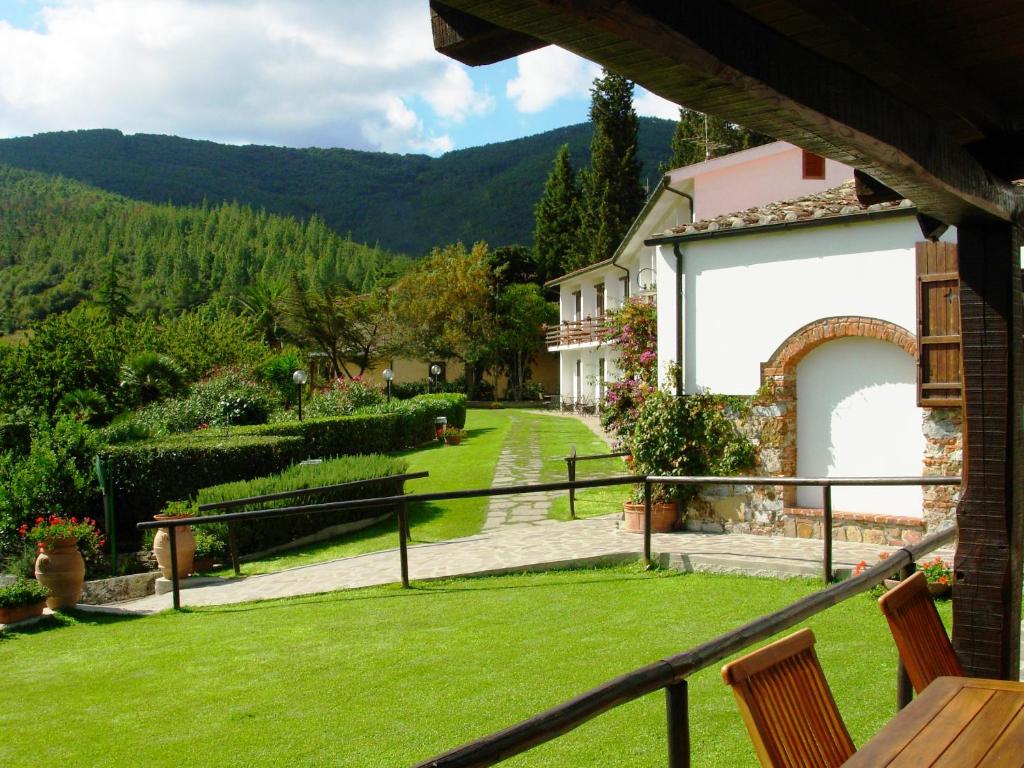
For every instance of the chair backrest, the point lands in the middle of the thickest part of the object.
(917, 629)
(788, 707)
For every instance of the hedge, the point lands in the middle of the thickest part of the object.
(257, 535)
(148, 474)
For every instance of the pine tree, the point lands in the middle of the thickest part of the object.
(112, 295)
(556, 219)
(700, 137)
(611, 191)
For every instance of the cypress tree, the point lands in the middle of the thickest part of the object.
(112, 295)
(556, 219)
(611, 191)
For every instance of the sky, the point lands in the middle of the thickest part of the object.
(361, 74)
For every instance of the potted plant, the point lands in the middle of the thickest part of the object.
(453, 435)
(22, 600)
(679, 436)
(60, 566)
(938, 574)
(184, 541)
(209, 550)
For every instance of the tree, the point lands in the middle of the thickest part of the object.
(443, 308)
(700, 137)
(350, 328)
(557, 219)
(112, 295)
(522, 313)
(611, 192)
(261, 301)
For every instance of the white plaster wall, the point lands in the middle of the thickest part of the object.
(857, 416)
(745, 294)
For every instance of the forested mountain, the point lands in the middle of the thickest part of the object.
(406, 203)
(62, 242)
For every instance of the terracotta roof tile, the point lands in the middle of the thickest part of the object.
(832, 203)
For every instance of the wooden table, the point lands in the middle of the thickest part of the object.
(959, 722)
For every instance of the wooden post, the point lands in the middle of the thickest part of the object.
(987, 595)
(570, 461)
(403, 550)
(678, 710)
(826, 532)
(175, 585)
(233, 546)
(647, 524)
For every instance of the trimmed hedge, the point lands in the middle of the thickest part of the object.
(148, 474)
(257, 535)
(15, 436)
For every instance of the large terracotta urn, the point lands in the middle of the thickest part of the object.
(184, 542)
(61, 569)
(663, 517)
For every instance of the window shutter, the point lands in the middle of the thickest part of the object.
(939, 372)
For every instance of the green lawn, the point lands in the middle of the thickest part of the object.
(386, 677)
(472, 465)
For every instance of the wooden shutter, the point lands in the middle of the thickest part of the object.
(939, 372)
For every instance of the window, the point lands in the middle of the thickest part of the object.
(599, 291)
(577, 297)
(814, 166)
(625, 288)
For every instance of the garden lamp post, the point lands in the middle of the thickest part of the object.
(299, 377)
(388, 375)
(435, 371)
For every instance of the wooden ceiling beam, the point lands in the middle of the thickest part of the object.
(472, 40)
(707, 55)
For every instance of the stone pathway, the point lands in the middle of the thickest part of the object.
(516, 469)
(543, 545)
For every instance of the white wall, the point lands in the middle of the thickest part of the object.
(745, 294)
(856, 417)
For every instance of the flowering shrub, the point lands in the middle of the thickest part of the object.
(342, 397)
(48, 530)
(634, 331)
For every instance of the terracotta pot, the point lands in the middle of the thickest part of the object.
(21, 612)
(185, 544)
(61, 569)
(663, 517)
(934, 588)
(453, 439)
(204, 563)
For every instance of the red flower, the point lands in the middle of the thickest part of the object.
(74, 521)
(39, 521)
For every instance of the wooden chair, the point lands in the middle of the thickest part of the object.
(917, 629)
(788, 707)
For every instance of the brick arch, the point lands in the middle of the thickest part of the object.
(778, 449)
(781, 366)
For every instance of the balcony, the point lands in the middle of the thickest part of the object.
(586, 331)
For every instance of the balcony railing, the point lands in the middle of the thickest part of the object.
(584, 331)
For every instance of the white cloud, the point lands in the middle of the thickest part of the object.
(293, 72)
(547, 75)
(651, 105)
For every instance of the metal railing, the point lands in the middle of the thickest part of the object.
(671, 674)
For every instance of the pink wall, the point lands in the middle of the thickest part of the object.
(754, 177)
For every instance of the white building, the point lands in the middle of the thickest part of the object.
(771, 172)
(783, 300)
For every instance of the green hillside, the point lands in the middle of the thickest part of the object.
(58, 238)
(406, 203)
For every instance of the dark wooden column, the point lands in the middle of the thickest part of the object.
(986, 604)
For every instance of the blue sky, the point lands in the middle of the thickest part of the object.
(361, 74)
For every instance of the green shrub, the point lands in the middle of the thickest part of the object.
(227, 398)
(55, 477)
(257, 535)
(146, 475)
(277, 371)
(450, 405)
(343, 397)
(22, 592)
